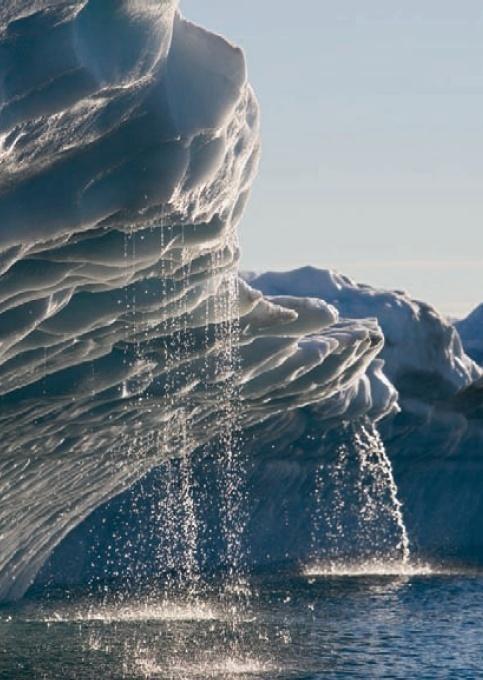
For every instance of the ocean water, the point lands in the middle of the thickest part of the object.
(323, 622)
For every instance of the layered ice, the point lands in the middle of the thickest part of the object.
(419, 342)
(129, 139)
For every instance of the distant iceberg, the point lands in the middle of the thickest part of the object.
(418, 340)
(471, 333)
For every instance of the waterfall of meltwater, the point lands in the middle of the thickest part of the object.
(230, 467)
(178, 500)
(375, 461)
(358, 524)
(177, 555)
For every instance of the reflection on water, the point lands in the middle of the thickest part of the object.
(310, 626)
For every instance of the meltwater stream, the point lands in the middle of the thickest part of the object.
(358, 523)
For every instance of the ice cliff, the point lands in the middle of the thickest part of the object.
(128, 143)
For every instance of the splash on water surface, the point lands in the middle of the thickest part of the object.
(373, 567)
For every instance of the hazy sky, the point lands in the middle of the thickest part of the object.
(372, 114)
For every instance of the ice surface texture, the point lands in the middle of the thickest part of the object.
(129, 139)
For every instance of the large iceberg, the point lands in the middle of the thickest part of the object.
(129, 140)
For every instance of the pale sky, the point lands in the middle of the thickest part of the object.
(372, 129)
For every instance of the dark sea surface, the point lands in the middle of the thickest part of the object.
(421, 624)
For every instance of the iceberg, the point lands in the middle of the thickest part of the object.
(129, 140)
